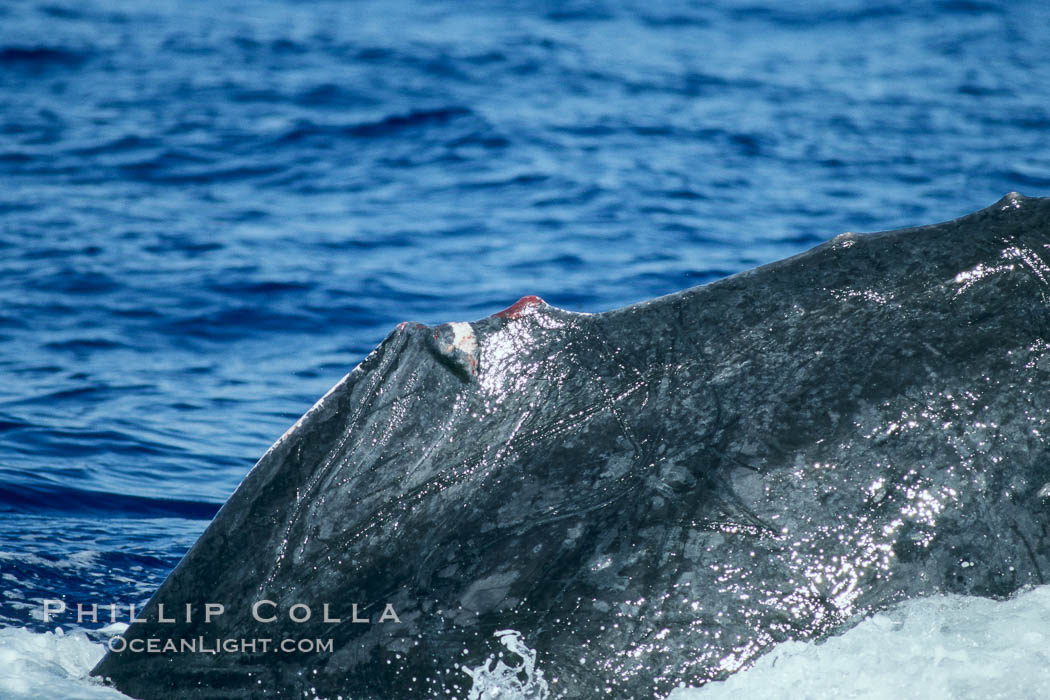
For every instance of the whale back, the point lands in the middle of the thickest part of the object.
(648, 496)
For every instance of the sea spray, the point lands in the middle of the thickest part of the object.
(496, 680)
(937, 647)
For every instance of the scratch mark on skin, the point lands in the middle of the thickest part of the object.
(377, 379)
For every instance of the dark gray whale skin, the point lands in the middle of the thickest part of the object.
(652, 495)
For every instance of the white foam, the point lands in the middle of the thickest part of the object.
(942, 647)
(497, 680)
(50, 665)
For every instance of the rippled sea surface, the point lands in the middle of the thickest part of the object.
(211, 211)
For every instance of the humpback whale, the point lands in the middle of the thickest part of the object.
(645, 497)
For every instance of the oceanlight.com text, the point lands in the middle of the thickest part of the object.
(202, 645)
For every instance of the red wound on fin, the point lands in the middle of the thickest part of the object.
(519, 307)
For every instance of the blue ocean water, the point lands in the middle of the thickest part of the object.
(211, 211)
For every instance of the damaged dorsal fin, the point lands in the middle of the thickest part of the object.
(456, 346)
